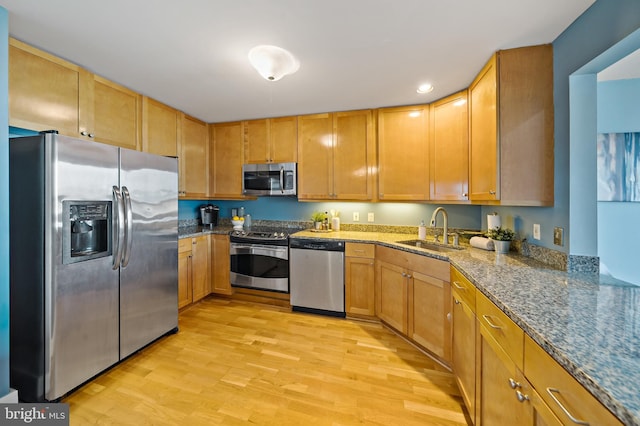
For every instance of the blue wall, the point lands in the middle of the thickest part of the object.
(4, 204)
(618, 230)
(275, 208)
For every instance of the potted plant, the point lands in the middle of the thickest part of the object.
(318, 218)
(501, 238)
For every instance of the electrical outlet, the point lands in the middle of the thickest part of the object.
(536, 231)
(558, 236)
(356, 216)
(370, 217)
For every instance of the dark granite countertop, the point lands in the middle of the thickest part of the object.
(197, 230)
(588, 323)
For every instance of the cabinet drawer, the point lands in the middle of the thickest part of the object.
(360, 250)
(562, 393)
(463, 288)
(508, 335)
(184, 245)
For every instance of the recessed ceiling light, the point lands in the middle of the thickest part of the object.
(425, 88)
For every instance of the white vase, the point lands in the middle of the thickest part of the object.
(501, 246)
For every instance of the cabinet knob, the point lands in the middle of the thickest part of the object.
(522, 397)
(84, 133)
(513, 383)
(492, 192)
(465, 195)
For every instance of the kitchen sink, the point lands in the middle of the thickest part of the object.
(430, 246)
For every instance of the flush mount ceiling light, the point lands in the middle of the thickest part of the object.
(425, 88)
(273, 62)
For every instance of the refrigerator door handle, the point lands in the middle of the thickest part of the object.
(118, 228)
(128, 225)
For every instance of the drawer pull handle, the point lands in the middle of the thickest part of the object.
(552, 392)
(521, 396)
(513, 383)
(456, 301)
(492, 324)
(457, 285)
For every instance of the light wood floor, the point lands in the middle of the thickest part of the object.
(237, 363)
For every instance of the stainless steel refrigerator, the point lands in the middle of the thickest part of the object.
(94, 243)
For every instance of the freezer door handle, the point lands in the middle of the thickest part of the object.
(128, 226)
(118, 228)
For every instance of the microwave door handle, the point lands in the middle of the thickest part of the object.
(282, 179)
(118, 228)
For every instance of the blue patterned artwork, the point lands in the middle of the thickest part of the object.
(619, 166)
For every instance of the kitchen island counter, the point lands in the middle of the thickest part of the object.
(588, 323)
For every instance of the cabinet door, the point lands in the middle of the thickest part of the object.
(403, 151)
(353, 155)
(194, 158)
(449, 148)
(429, 308)
(499, 404)
(220, 264)
(116, 114)
(392, 283)
(483, 142)
(184, 279)
(227, 158)
(283, 132)
(44, 91)
(463, 354)
(201, 265)
(160, 128)
(359, 286)
(315, 157)
(256, 141)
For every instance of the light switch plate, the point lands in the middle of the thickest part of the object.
(536, 231)
(558, 236)
(356, 216)
(370, 217)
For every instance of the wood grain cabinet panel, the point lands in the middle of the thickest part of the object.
(185, 273)
(336, 156)
(193, 159)
(220, 264)
(403, 153)
(227, 156)
(201, 262)
(511, 128)
(449, 148)
(271, 140)
(160, 128)
(359, 273)
(44, 91)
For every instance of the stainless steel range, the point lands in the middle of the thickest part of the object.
(260, 259)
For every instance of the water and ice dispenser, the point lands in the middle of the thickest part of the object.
(86, 230)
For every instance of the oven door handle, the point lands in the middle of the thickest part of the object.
(280, 252)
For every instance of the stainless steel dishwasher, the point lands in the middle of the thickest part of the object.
(316, 276)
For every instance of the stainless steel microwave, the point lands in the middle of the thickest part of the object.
(270, 179)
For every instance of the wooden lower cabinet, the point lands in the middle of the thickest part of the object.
(220, 264)
(413, 297)
(359, 273)
(193, 270)
(463, 350)
(185, 273)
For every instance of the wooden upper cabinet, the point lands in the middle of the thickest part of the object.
(511, 129)
(194, 159)
(449, 148)
(271, 140)
(44, 91)
(47, 93)
(315, 157)
(403, 153)
(117, 115)
(226, 160)
(336, 156)
(160, 128)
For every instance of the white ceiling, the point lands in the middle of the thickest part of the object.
(354, 54)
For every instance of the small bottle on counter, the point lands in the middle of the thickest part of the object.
(422, 231)
(241, 212)
(247, 221)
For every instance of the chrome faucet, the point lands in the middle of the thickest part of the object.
(445, 227)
